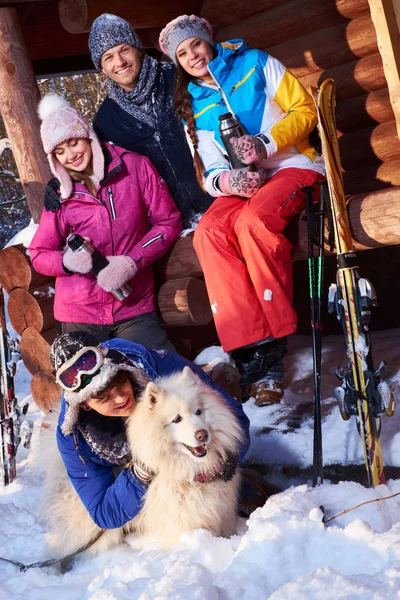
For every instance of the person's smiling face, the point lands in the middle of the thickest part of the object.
(74, 154)
(122, 64)
(119, 401)
(193, 55)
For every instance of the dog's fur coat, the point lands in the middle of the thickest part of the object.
(162, 435)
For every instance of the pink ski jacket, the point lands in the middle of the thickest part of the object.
(132, 214)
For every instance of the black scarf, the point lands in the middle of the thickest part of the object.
(106, 436)
(147, 98)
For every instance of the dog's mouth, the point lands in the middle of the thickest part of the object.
(198, 451)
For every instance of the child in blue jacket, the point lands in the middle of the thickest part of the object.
(100, 385)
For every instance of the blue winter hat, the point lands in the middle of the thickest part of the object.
(109, 31)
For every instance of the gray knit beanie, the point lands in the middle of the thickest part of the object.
(182, 28)
(109, 31)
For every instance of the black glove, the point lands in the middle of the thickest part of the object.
(52, 200)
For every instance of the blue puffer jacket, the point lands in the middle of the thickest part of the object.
(164, 145)
(110, 501)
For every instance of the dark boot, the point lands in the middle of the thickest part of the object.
(255, 362)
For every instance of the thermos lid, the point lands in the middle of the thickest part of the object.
(75, 241)
(225, 116)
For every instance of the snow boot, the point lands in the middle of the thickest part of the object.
(256, 361)
(266, 392)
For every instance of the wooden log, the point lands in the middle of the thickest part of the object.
(77, 16)
(19, 97)
(385, 19)
(353, 78)
(369, 146)
(16, 270)
(285, 22)
(328, 47)
(179, 262)
(217, 13)
(25, 311)
(374, 220)
(35, 351)
(364, 111)
(45, 391)
(184, 302)
(372, 177)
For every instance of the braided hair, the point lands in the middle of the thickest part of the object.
(183, 107)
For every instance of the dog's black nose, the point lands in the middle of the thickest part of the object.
(201, 435)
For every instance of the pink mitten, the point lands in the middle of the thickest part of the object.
(77, 262)
(249, 149)
(120, 270)
(241, 182)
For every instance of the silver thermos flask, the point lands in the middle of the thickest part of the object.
(78, 244)
(230, 127)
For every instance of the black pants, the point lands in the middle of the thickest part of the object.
(144, 329)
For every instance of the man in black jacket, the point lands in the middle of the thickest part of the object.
(138, 112)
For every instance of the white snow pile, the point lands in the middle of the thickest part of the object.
(284, 551)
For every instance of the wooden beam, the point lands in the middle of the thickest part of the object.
(19, 97)
(77, 16)
(290, 20)
(221, 14)
(387, 31)
(311, 53)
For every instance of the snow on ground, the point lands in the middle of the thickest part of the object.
(284, 551)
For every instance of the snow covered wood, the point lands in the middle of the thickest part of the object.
(19, 96)
(184, 302)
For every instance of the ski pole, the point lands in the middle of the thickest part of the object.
(315, 306)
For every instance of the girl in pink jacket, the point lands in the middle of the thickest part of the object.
(117, 200)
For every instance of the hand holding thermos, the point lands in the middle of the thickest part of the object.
(112, 272)
(243, 150)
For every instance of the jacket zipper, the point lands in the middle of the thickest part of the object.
(112, 206)
(221, 91)
(151, 240)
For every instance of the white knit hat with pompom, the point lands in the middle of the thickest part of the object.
(62, 122)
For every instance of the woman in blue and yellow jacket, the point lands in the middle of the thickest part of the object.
(242, 250)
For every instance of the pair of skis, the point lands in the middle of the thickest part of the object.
(13, 429)
(362, 391)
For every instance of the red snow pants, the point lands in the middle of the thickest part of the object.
(246, 260)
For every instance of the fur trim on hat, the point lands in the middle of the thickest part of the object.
(108, 370)
(49, 104)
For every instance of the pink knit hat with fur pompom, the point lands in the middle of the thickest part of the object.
(62, 122)
(182, 28)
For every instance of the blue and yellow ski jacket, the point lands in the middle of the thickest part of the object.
(266, 98)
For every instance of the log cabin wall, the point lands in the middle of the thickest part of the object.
(317, 39)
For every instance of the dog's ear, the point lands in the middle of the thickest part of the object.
(152, 394)
(188, 375)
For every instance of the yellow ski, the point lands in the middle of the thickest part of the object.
(362, 392)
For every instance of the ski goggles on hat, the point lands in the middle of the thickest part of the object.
(77, 372)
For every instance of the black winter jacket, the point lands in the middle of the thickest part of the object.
(164, 145)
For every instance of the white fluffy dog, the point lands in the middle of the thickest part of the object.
(183, 432)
